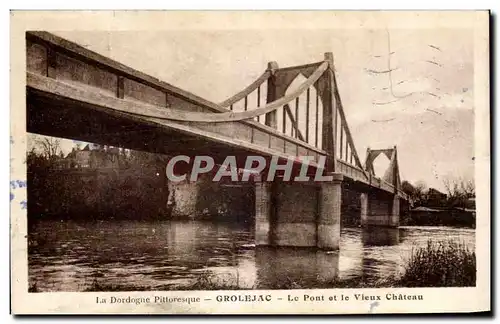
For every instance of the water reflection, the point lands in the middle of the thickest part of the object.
(130, 255)
(379, 236)
(289, 267)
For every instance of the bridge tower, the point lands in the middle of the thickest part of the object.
(303, 214)
(309, 214)
(382, 209)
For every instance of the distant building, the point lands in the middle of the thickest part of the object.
(425, 216)
(91, 158)
(471, 203)
(434, 197)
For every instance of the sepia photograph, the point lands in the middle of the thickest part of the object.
(253, 160)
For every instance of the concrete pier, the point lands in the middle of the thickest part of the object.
(379, 210)
(299, 214)
(330, 203)
(296, 214)
(262, 212)
(395, 210)
(363, 197)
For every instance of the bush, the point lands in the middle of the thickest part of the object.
(440, 264)
(206, 281)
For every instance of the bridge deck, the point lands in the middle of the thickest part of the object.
(79, 82)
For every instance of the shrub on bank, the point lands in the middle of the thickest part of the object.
(440, 264)
(206, 281)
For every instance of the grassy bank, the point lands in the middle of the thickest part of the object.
(441, 264)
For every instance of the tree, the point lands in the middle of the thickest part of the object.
(415, 192)
(49, 146)
(408, 188)
(459, 190)
(420, 188)
(35, 160)
(468, 187)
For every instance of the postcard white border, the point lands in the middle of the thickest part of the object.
(435, 299)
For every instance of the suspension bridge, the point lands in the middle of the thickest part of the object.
(75, 93)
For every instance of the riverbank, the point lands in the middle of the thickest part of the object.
(434, 216)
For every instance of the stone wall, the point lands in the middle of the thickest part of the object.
(204, 199)
(182, 198)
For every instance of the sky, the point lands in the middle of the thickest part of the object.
(429, 114)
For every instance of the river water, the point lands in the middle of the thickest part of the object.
(163, 255)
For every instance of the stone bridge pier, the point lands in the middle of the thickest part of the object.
(307, 214)
(379, 209)
(299, 214)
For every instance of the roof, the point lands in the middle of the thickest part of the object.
(71, 154)
(433, 190)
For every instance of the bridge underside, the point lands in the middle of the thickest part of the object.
(58, 117)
